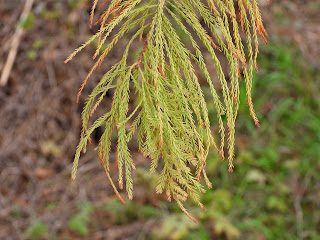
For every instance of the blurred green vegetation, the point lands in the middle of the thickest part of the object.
(79, 222)
(38, 230)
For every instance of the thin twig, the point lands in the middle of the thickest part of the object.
(15, 44)
(143, 51)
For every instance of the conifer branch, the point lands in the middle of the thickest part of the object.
(171, 117)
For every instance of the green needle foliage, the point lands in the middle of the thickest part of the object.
(171, 117)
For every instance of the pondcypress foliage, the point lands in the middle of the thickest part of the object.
(171, 117)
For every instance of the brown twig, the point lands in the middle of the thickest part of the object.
(143, 51)
(15, 44)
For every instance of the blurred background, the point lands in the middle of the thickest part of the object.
(272, 194)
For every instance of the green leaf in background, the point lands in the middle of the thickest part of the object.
(28, 23)
(36, 231)
(79, 223)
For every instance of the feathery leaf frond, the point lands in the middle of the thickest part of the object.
(171, 115)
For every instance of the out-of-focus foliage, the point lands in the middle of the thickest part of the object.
(79, 222)
(38, 230)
